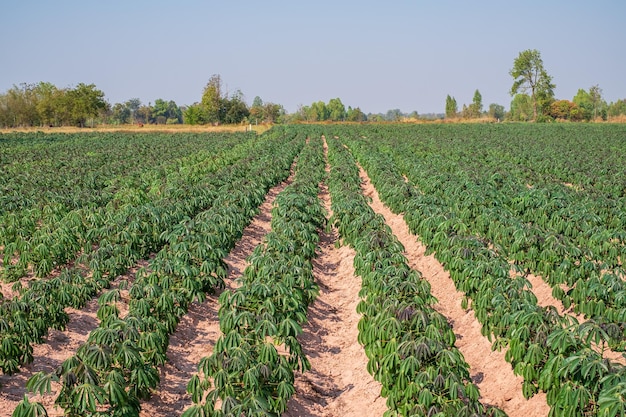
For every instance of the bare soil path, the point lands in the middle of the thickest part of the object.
(489, 370)
(338, 384)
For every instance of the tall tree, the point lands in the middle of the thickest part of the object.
(213, 100)
(256, 111)
(521, 108)
(133, 104)
(496, 111)
(272, 112)
(235, 108)
(598, 103)
(451, 107)
(336, 110)
(86, 102)
(476, 108)
(317, 112)
(529, 75)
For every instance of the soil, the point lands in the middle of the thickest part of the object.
(493, 375)
(198, 331)
(60, 346)
(338, 383)
(543, 292)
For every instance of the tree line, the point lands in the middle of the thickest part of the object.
(44, 104)
(534, 99)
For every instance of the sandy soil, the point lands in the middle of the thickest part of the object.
(60, 346)
(543, 292)
(489, 370)
(338, 383)
(198, 331)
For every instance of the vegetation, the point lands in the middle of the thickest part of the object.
(529, 75)
(409, 345)
(248, 374)
(506, 212)
(117, 366)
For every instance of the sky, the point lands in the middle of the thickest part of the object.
(375, 55)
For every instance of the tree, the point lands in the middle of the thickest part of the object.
(521, 108)
(272, 113)
(476, 108)
(213, 100)
(47, 101)
(597, 102)
(235, 109)
(452, 108)
(120, 113)
(617, 109)
(394, 115)
(165, 112)
(496, 111)
(565, 110)
(317, 112)
(529, 75)
(336, 110)
(86, 102)
(355, 115)
(133, 105)
(194, 115)
(143, 114)
(256, 111)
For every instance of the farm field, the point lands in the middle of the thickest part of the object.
(315, 270)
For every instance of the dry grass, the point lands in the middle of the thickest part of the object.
(145, 128)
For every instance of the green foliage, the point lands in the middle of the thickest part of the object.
(452, 108)
(248, 373)
(529, 75)
(45, 104)
(495, 218)
(409, 345)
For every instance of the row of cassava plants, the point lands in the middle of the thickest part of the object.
(42, 238)
(127, 235)
(251, 370)
(410, 345)
(553, 353)
(71, 171)
(575, 238)
(118, 365)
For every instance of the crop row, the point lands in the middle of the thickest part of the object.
(410, 346)
(43, 238)
(574, 239)
(77, 170)
(251, 370)
(553, 353)
(127, 235)
(118, 365)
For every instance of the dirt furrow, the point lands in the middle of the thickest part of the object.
(338, 384)
(489, 370)
(199, 329)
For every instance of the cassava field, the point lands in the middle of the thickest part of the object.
(318, 270)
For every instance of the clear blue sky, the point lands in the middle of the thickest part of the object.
(382, 55)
